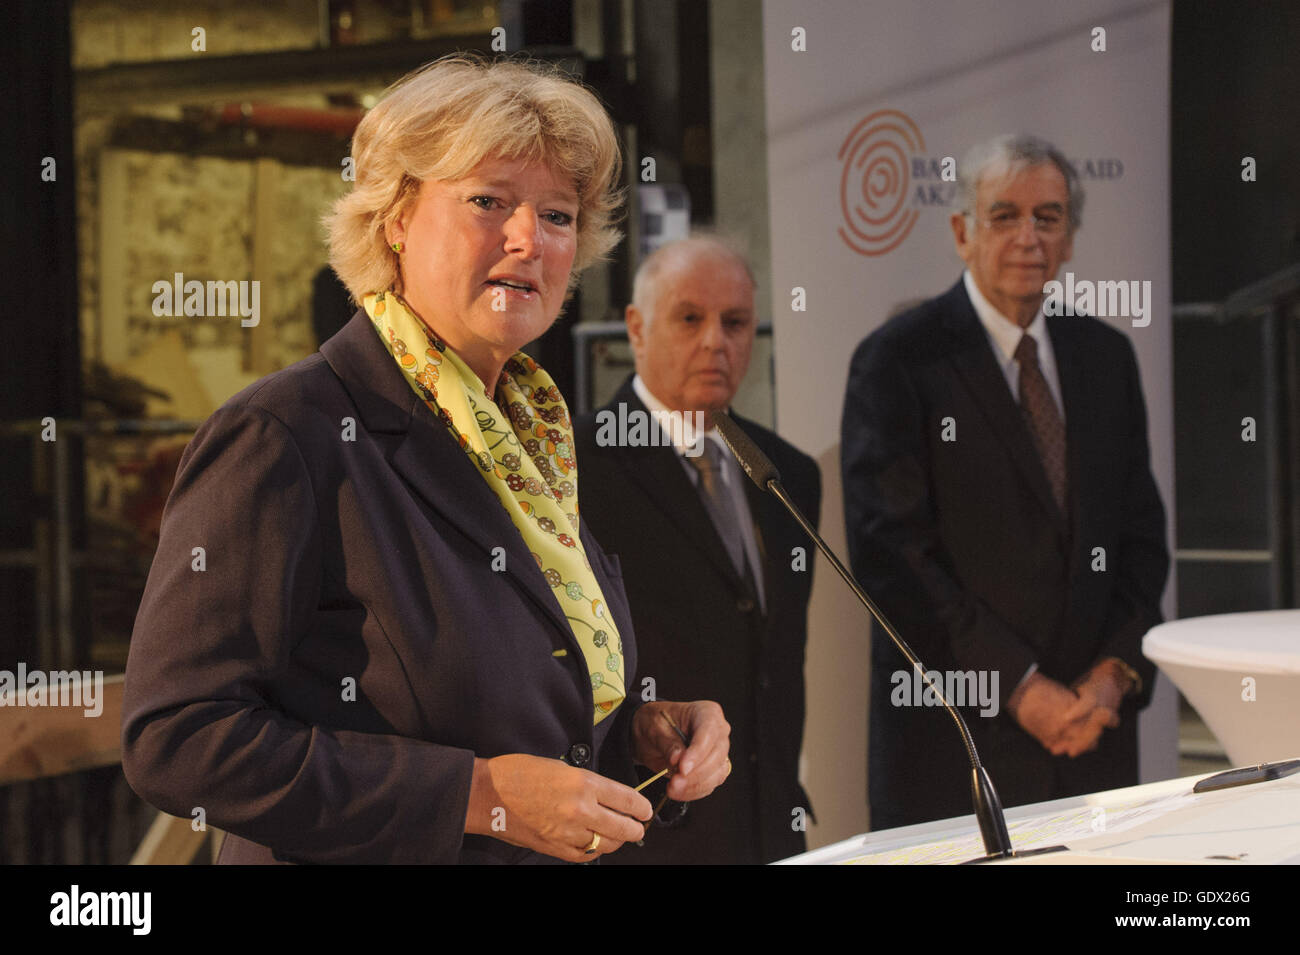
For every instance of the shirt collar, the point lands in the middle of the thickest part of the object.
(1004, 333)
(681, 442)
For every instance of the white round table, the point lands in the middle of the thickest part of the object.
(1241, 671)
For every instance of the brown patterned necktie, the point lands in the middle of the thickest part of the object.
(718, 503)
(722, 510)
(1042, 416)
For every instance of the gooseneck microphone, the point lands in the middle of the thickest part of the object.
(988, 808)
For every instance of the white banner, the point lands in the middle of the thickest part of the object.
(867, 103)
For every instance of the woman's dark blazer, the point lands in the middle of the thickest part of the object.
(340, 617)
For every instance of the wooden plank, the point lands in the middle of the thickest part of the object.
(212, 78)
(41, 741)
(169, 841)
(108, 336)
(266, 189)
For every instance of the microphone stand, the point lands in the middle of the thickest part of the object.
(984, 797)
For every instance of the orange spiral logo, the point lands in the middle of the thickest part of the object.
(876, 180)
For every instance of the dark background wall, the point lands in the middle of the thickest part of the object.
(1236, 92)
(40, 364)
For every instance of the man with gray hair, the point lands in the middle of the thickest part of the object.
(1000, 507)
(717, 573)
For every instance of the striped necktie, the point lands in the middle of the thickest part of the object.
(1042, 417)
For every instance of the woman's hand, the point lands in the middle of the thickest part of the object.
(551, 807)
(699, 768)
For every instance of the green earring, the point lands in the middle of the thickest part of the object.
(397, 247)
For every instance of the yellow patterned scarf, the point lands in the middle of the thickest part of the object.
(527, 459)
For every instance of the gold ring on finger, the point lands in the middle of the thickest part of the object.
(593, 845)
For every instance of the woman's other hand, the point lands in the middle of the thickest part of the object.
(551, 807)
(698, 768)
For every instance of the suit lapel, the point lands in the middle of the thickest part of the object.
(972, 355)
(428, 459)
(1074, 395)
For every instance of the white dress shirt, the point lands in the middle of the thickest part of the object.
(1004, 336)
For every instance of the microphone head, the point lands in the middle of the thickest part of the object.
(757, 465)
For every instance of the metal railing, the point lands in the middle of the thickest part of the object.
(1274, 302)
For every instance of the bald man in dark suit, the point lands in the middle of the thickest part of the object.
(717, 573)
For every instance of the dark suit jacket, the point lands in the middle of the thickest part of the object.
(964, 548)
(321, 686)
(700, 635)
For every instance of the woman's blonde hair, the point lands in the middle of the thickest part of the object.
(441, 121)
